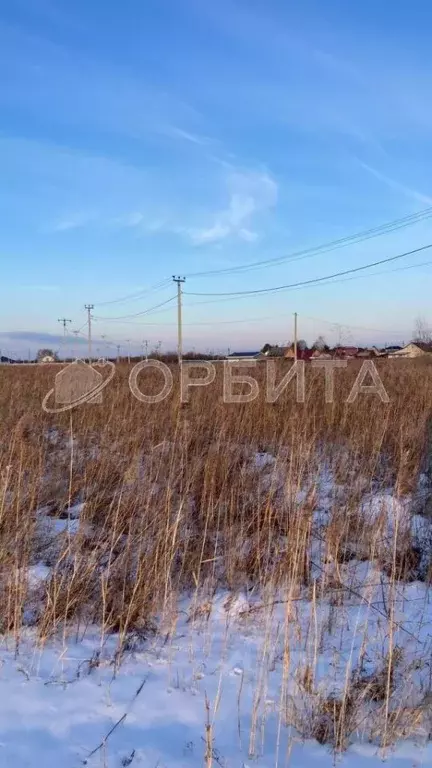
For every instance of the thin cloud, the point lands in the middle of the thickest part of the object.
(131, 220)
(74, 221)
(248, 235)
(137, 220)
(393, 184)
(180, 133)
(37, 337)
(250, 194)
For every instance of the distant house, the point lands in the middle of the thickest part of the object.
(345, 353)
(274, 351)
(303, 353)
(367, 354)
(413, 349)
(46, 356)
(244, 356)
(321, 354)
(388, 351)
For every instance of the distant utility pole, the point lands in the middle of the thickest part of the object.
(295, 337)
(128, 348)
(118, 352)
(74, 351)
(64, 321)
(144, 346)
(179, 280)
(103, 337)
(89, 308)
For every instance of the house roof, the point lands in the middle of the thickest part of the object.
(275, 351)
(321, 353)
(244, 354)
(347, 350)
(402, 351)
(302, 354)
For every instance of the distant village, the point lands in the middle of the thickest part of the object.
(300, 351)
(321, 351)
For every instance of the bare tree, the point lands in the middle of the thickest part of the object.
(422, 330)
(46, 354)
(320, 344)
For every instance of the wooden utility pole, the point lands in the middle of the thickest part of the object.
(64, 321)
(295, 337)
(89, 308)
(179, 280)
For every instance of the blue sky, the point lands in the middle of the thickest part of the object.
(140, 140)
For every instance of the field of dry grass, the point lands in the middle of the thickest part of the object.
(323, 509)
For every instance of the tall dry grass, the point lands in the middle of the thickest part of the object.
(175, 499)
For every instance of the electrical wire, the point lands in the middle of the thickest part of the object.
(272, 317)
(333, 282)
(314, 280)
(353, 327)
(137, 294)
(80, 329)
(137, 314)
(332, 245)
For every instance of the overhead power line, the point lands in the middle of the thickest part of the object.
(137, 314)
(234, 298)
(351, 327)
(330, 282)
(217, 323)
(332, 245)
(315, 280)
(137, 294)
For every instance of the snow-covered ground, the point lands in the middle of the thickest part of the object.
(236, 680)
(215, 673)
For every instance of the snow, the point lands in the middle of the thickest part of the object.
(59, 702)
(37, 574)
(227, 665)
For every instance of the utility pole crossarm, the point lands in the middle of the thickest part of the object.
(64, 321)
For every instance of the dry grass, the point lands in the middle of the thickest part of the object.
(174, 501)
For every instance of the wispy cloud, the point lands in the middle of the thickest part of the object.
(73, 221)
(414, 194)
(250, 194)
(131, 220)
(180, 133)
(138, 220)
